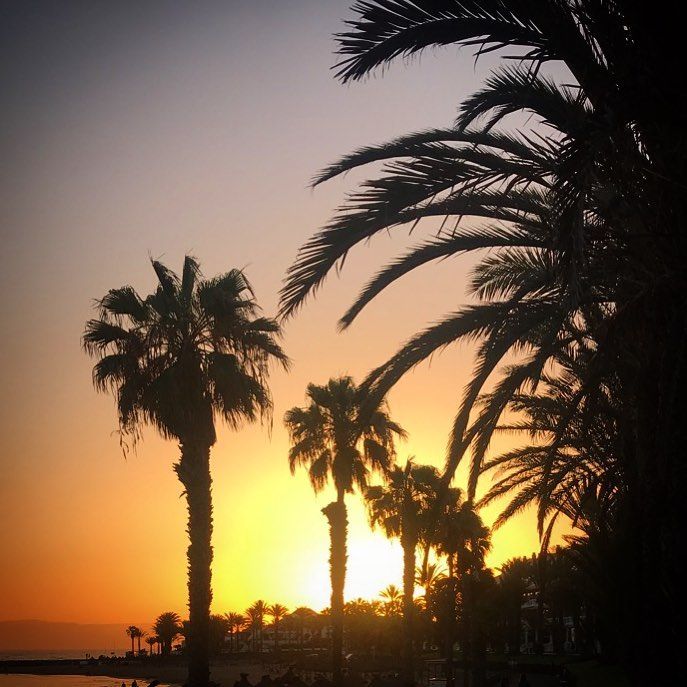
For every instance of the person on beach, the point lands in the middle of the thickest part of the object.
(243, 682)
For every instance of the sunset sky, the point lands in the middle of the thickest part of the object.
(162, 128)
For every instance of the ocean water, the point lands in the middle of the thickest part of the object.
(54, 654)
(65, 681)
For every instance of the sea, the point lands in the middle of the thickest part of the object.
(55, 654)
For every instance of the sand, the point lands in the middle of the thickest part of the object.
(169, 673)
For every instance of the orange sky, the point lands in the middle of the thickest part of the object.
(167, 129)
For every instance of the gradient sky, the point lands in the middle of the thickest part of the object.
(163, 128)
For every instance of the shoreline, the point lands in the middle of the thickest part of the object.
(167, 672)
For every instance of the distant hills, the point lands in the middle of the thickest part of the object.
(28, 635)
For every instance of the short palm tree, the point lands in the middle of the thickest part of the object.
(167, 627)
(512, 580)
(392, 598)
(151, 640)
(303, 616)
(277, 612)
(193, 350)
(426, 576)
(464, 539)
(401, 507)
(334, 440)
(257, 613)
(236, 623)
(141, 634)
(133, 632)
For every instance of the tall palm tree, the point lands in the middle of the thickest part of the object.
(401, 508)
(193, 350)
(132, 632)
(334, 440)
(167, 627)
(277, 612)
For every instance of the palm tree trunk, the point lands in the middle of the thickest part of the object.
(409, 544)
(193, 471)
(336, 515)
(450, 625)
(132, 644)
(466, 629)
(276, 637)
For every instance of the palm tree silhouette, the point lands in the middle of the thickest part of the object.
(513, 578)
(151, 640)
(401, 508)
(167, 627)
(236, 624)
(132, 632)
(257, 613)
(463, 538)
(302, 617)
(277, 612)
(392, 598)
(194, 349)
(426, 576)
(335, 441)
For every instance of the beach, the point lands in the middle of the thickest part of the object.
(18, 680)
(111, 674)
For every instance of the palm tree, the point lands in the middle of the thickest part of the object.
(464, 539)
(219, 629)
(132, 632)
(251, 624)
(194, 349)
(277, 612)
(167, 627)
(257, 613)
(236, 623)
(514, 574)
(426, 576)
(401, 508)
(151, 640)
(392, 598)
(141, 634)
(302, 616)
(334, 440)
